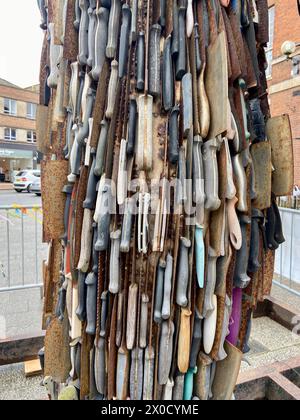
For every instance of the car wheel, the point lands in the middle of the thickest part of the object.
(38, 194)
(18, 191)
(29, 189)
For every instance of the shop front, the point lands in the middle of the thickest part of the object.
(14, 160)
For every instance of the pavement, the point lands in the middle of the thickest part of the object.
(6, 186)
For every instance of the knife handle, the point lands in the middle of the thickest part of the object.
(200, 255)
(100, 42)
(182, 193)
(136, 374)
(44, 14)
(173, 149)
(88, 150)
(165, 351)
(181, 67)
(69, 134)
(79, 98)
(75, 158)
(140, 70)
(101, 148)
(204, 104)
(91, 194)
(127, 225)
(254, 264)
(197, 48)
(104, 220)
(162, 14)
(175, 33)
(196, 342)
(122, 182)
(231, 189)
(68, 189)
(149, 374)
(168, 390)
(183, 273)
(83, 33)
(100, 366)
(187, 98)
(159, 290)
(168, 76)
(189, 19)
(77, 15)
(270, 229)
(132, 316)
(222, 355)
(144, 158)
(114, 266)
(124, 40)
(241, 183)
(132, 127)
(144, 321)
(91, 37)
(113, 26)
(189, 384)
(241, 278)
(154, 61)
(112, 90)
(55, 57)
(235, 233)
(94, 252)
(86, 241)
(104, 313)
(134, 19)
(84, 129)
(59, 112)
(82, 296)
(122, 374)
(211, 283)
(279, 236)
(91, 303)
(120, 319)
(166, 306)
(198, 175)
(211, 173)
(178, 387)
(184, 341)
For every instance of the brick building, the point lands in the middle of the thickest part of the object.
(284, 74)
(17, 129)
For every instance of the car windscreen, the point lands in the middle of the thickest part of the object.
(21, 173)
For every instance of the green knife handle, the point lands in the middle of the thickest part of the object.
(124, 40)
(189, 384)
(183, 273)
(154, 61)
(168, 76)
(113, 29)
(82, 297)
(181, 67)
(91, 303)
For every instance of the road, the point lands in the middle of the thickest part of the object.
(23, 231)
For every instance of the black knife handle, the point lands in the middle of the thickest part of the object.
(181, 58)
(197, 339)
(91, 194)
(91, 303)
(132, 127)
(174, 135)
(124, 40)
(241, 278)
(162, 17)
(47, 90)
(140, 71)
(175, 33)
(254, 264)
(270, 229)
(154, 60)
(167, 76)
(44, 14)
(279, 235)
(68, 191)
(82, 292)
(104, 220)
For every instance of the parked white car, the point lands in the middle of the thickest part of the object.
(36, 187)
(24, 180)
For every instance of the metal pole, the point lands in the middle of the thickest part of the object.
(22, 250)
(8, 247)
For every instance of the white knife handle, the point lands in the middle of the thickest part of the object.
(166, 306)
(211, 283)
(91, 37)
(144, 321)
(189, 19)
(146, 207)
(122, 184)
(83, 33)
(132, 316)
(55, 57)
(112, 89)
(234, 226)
(114, 279)
(59, 109)
(113, 28)
(74, 87)
(241, 182)
(144, 156)
(231, 189)
(74, 158)
(76, 323)
(87, 158)
(100, 42)
(86, 241)
(211, 173)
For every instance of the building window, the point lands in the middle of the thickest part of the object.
(10, 106)
(10, 134)
(31, 136)
(269, 49)
(31, 111)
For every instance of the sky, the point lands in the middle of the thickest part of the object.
(20, 41)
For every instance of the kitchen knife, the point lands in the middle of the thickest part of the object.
(101, 148)
(91, 195)
(166, 304)
(189, 384)
(162, 14)
(168, 390)
(100, 42)
(144, 156)
(175, 34)
(55, 58)
(69, 134)
(181, 67)
(222, 355)
(149, 374)
(77, 15)
(112, 90)
(132, 316)
(122, 183)
(113, 29)
(104, 313)
(82, 293)
(91, 36)
(136, 374)
(257, 219)
(140, 69)
(100, 366)
(211, 173)
(279, 236)
(144, 321)
(127, 225)
(124, 40)
(184, 341)
(197, 340)
(235, 233)
(122, 374)
(86, 241)
(200, 255)
(165, 351)
(44, 14)
(270, 229)
(178, 387)
(183, 273)
(209, 328)
(159, 291)
(132, 127)
(241, 183)
(87, 113)
(104, 219)
(120, 316)
(173, 149)
(189, 18)
(241, 278)
(168, 76)
(91, 303)
(114, 266)
(197, 48)
(134, 19)
(88, 150)
(68, 189)
(211, 282)
(83, 33)
(154, 61)
(187, 103)
(231, 189)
